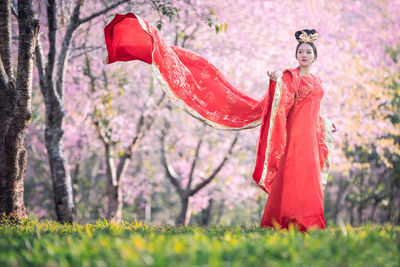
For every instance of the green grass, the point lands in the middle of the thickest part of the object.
(45, 243)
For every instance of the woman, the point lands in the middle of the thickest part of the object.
(295, 196)
(292, 151)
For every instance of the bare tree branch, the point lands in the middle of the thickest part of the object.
(194, 162)
(143, 126)
(40, 66)
(62, 57)
(72, 26)
(190, 35)
(100, 131)
(46, 69)
(83, 51)
(157, 8)
(111, 164)
(216, 171)
(101, 12)
(172, 175)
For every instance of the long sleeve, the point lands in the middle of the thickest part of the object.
(272, 140)
(189, 80)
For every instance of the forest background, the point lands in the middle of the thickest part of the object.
(104, 142)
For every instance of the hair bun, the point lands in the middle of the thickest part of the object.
(298, 34)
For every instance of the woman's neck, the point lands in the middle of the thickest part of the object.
(305, 71)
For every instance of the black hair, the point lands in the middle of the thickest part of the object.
(308, 32)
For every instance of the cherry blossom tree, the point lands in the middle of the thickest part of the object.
(102, 119)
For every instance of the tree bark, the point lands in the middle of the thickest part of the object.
(59, 168)
(205, 215)
(342, 184)
(114, 190)
(186, 211)
(15, 105)
(52, 87)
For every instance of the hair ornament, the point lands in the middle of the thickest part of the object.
(308, 37)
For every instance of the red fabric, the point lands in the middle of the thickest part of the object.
(262, 145)
(193, 83)
(288, 114)
(274, 128)
(126, 40)
(296, 196)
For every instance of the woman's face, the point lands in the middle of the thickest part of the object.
(305, 55)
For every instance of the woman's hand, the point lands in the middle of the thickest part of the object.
(273, 75)
(334, 128)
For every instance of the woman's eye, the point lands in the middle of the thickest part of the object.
(308, 52)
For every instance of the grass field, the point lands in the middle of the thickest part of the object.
(44, 243)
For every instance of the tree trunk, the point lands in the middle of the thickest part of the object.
(147, 211)
(53, 99)
(341, 191)
(62, 187)
(352, 213)
(390, 216)
(220, 211)
(362, 198)
(52, 87)
(114, 190)
(114, 208)
(186, 210)
(205, 215)
(15, 105)
(376, 202)
(88, 196)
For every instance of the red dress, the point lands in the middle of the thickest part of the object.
(296, 196)
(292, 149)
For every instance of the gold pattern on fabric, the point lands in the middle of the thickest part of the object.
(182, 105)
(177, 74)
(306, 86)
(302, 94)
(274, 109)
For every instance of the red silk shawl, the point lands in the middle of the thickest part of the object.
(203, 91)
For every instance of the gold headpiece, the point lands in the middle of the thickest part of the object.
(308, 38)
